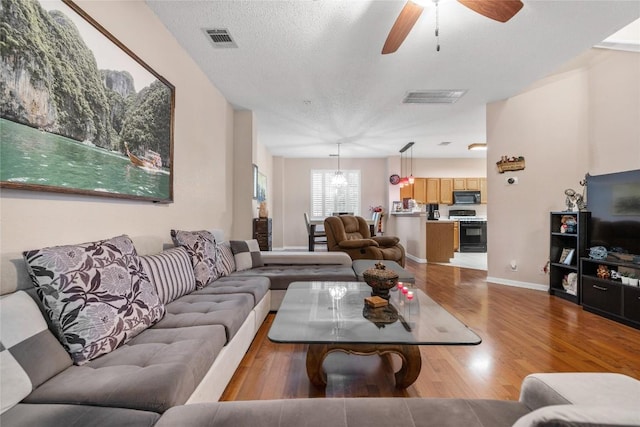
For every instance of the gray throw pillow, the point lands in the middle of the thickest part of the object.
(246, 254)
(96, 294)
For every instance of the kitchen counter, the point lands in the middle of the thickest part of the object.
(417, 233)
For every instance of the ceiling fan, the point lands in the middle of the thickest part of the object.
(499, 10)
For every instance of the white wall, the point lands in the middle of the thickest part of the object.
(202, 159)
(567, 125)
(296, 193)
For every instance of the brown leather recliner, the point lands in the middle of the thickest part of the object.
(350, 234)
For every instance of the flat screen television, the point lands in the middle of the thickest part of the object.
(614, 202)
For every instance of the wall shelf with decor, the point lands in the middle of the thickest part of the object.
(569, 237)
(604, 293)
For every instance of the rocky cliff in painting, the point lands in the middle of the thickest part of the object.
(49, 79)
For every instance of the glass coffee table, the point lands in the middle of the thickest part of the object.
(332, 316)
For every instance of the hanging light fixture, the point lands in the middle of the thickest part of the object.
(406, 180)
(411, 178)
(339, 179)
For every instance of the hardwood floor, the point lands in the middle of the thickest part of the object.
(523, 332)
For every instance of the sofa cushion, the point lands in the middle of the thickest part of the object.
(228, 310)
(348, 412)
(170, 272)
(201, 246)
(581, 416)
(46, 415)
(24, 339)
(256, 286)
(246, 254)
(281, 276)
(225, 263)
(154, 371)
(96, 294)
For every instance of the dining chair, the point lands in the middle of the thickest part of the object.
(315, 235)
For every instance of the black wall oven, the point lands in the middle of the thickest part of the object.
(473, 230)
(473, 236)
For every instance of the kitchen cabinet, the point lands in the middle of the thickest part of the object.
(456, 236)
(472, 183)
(446, 191)
(432, 190)
(466, 184)
(459, 184)
(439, 241)
(420, 190)
(483, 190)
(406, 192)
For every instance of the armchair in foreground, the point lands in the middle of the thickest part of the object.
(350, 234)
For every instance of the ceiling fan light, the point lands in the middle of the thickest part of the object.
(478, 146)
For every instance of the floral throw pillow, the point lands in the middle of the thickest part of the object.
(201, 246)
(96, 294)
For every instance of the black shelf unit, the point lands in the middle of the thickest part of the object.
(609, 297)
(262, 233)
(575, 240)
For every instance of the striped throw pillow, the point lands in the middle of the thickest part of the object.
(170, 272)
(24, 340)
(225, 264)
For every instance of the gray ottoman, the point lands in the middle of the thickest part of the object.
(360, 265)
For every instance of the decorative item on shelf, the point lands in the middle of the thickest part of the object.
(570, 283)
(603, 272)
(380, 279)
(574, 200)
(624, 277)
(598, 252)
(263, 211)
(568, 224)
(507, 164)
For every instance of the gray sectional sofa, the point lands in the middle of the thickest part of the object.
(185, 347)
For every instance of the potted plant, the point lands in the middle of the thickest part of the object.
(624, 276)
(633, 279)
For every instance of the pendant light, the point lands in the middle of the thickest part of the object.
(411, 178)
(406, 180)
(403, 180)
(339, 179)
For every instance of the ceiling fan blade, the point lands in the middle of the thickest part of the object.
(404, 23)
(500, 10)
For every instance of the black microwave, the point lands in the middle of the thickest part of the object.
(466, 197)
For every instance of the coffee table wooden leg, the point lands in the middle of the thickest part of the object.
(315, 356)
(411, 365)
(409, 354)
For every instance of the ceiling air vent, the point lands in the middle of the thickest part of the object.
(433, 96)
(220, 38)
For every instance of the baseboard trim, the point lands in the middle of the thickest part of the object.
(415, 258)
(518, 284)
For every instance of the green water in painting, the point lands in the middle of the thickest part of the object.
(29, 156)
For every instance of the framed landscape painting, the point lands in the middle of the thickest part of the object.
(79, 112)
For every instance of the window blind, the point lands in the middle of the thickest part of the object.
(327, 198)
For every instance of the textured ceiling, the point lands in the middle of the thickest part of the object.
(312, 72)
